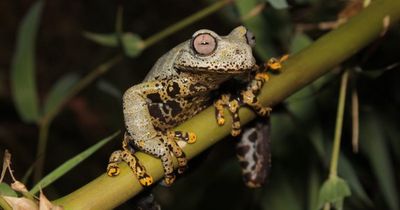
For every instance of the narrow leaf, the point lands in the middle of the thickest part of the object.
(278, 4)
(132, 44)
(108, 40)
(374, 144)
(259, 26)
(59, 91)
(23, 66)
(333, 191)
(313, 188)
(109, 88)
(346, 170)
(70, 164)
(6, 190)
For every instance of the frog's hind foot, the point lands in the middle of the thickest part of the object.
(233, 104)
(169, 179)
(133, 162)
(176, 149)
(162, 145)
(126, 155)
(140, 171)
(112, 167)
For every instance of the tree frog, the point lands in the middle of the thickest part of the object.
(178, 87)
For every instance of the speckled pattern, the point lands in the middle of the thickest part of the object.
(254, 153)
(176, 88)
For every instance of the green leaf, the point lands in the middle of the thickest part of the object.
(70, 164)
(313, 187)
(58, 92)
(333, 191)
(278, 4)
(132, 44)
(23, 66)
(374, 145)
(109, 88)
(108, 40)
(259, 26)
(346, 170)
(299, 42)
(6, 190)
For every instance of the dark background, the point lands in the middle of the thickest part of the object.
(213, 180)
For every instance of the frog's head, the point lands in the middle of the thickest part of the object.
(209, 52)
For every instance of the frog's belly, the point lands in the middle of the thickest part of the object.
(171, 113)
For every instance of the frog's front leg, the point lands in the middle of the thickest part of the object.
(144, 136)
(247, 97)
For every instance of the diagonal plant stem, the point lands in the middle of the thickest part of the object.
(300, 70)
(185, 22)
(46, 120)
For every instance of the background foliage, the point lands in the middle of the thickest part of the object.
(51, 41)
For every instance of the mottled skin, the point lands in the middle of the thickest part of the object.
(177, 88)
(254, 153)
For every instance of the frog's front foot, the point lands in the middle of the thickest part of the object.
(132, 161)
(247, 97)
(126, 155)
(276, 63)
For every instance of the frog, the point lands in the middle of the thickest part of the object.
(179, 86)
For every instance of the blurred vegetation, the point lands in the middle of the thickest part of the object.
(79, 57)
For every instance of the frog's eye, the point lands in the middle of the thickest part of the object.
(251, 39)
(204, 44)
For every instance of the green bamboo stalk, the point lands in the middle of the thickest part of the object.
(301, 69)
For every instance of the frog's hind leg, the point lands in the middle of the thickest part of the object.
(170, 142)
(233, 104)
(127, 156)
(254, 152)
(176, 150)
(157, 148)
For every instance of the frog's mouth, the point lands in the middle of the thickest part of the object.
(215, 69)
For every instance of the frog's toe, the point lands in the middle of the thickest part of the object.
(220, 120)
(262, 76)
(169, 179)
(146, 180)
(236, 132)
(192, 138)
(113, 170)
(265, 111)
(182, 169)
(276, 64)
